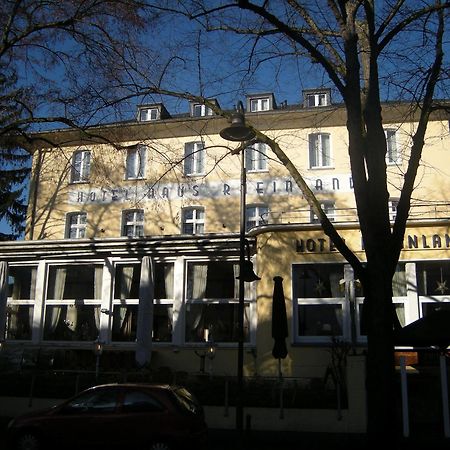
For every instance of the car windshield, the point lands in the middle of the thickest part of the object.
(187, 400)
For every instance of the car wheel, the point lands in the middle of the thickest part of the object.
(28, 441)
(160, 446)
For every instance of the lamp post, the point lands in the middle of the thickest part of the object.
(239, 132)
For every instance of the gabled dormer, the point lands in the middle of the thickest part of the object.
(313, 98)
(198, 109)
(154, 111)
(261, 102)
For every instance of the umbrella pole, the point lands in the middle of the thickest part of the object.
(444, 392)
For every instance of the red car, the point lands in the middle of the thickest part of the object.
(151, 417)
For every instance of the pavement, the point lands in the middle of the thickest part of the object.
(220, 439)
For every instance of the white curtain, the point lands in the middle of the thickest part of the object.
(168, 280)
(199, 278)
(126, 279)
(55, 311)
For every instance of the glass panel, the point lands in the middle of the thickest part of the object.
(22, 283)
(221, 321)
(319, 281)
(71, 323)
(126, 281)
(162, 323)
(320, 320)
(19, 322)
(427, 307)
(125, 323)
(219, 280)
(77, 282)
(399, 310)
(433, 278)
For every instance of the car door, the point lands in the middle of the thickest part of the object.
(87, 420)
(140, 416)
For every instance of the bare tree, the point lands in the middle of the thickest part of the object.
(368, 55)
(57, 60)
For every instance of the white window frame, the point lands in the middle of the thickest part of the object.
(319, 99)
(81, 166)
(342, 302)
(197, 221)
(118, 302)
(201, 110)
(392, 153)
(79, 226)
(254, 215)
(392, 205)
(194, 158)
(319, 155)
(258, 104)
(249, 299)
(329, 208)
(72, 302)
(30, 303)
(135, 162)
(136, 223)
(149, 114)
(256, 157)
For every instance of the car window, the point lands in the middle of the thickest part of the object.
(138, 401)
(93, 402)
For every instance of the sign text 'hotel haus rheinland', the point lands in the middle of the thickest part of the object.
(172, 191)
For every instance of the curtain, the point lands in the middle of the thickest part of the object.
(55, 311)
(247, 286)
(168, 280)
(126, 279)
(198, 281)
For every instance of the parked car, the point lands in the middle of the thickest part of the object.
(151, 417)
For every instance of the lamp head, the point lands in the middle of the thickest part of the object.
(238, 131)
(247, 273)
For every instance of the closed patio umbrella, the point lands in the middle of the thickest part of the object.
(279, 322)
(432, 330)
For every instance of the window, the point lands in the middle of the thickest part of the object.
(199, 110)
(319, 150)
(140, 402)
(98, 401)
(259, 104)
(212, 302)
(133, 223)
(256, 157)
(392, 156)
(193, 220)
(76, 225)
(126, 302)
(147, 114)
(316, 99)
(81, 166)
(194, 158)
(399, 298)
(135, 164)
(20, 303)
(433, 285)
(393, 203)
(320, 306)
(73, 299)
(255, 215)
(328, 209)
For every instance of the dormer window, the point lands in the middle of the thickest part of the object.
(258, 103)
(148, 113)
(317, 98)
(202, 110)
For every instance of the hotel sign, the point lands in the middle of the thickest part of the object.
(411, 242)
(206, 189)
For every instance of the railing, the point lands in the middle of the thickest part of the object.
(424, 211)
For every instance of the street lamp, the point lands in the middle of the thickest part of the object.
(239, 132)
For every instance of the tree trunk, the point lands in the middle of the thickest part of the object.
(378, 310)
